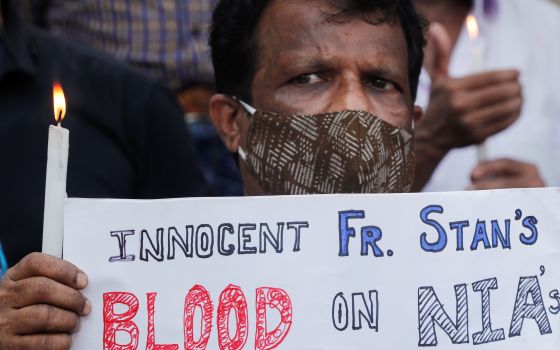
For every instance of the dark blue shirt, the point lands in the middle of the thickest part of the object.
(127, 135)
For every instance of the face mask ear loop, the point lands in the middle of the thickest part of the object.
(242, 153)
(246, 106)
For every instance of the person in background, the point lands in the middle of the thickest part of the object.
(127, 135)
(219, 167)
(512, 106)
(168, 40)
(342, 80)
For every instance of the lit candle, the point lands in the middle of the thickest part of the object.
(478, 53)
(55, 187)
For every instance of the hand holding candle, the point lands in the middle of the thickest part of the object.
(55, 187)
(462, 111)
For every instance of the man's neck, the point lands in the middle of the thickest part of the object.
(251, 186)
(449, 13)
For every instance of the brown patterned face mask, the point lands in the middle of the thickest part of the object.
(341, 152)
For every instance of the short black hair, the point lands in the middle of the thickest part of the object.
(232, 37)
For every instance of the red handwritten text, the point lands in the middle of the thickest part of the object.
(231, 302)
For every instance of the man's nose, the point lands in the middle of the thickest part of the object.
(350, 95)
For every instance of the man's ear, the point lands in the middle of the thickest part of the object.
(417, 114)
(225, 113)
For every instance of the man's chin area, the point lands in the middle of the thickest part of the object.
(251, 186)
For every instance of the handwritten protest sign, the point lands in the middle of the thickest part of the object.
(448, 270)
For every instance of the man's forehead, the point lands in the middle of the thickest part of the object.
(305, 22)
(294, 12)
(300, 30)
(293, 15)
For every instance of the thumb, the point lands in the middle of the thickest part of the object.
(437, 52)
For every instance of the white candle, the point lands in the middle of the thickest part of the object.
(478, 54)
(55, 185)
(478, 47)
(478, 51)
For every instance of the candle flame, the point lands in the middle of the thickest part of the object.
(472, 27)
(59, 102)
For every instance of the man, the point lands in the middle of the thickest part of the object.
(289, 57)
(127, 136)
(509, 107)
(292, 69)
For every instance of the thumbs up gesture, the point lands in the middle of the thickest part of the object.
(437, 52)
(468, 110)
(461, 111)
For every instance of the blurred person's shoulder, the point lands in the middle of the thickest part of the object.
(103, 91)
(134, 116)
(97, 73)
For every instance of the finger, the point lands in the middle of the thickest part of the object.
(495, 118)
(37, 319)
(495, 168)
(528, 179)
(492, 128)
(37, 264)
(438, 51)
(41, 290)
(495, 184)
(481, 80)
(488, 96)
(41, 341)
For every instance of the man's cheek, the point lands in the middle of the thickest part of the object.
(394, 111)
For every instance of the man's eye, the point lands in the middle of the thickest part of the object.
(381, 84)
(306, 79)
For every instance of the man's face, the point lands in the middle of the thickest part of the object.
(308, 65)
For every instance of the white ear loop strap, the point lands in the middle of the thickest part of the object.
(247, 107)
(242, 153)
(251, 111)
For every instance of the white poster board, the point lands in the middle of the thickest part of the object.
(447, 270)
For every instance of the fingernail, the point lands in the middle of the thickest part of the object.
(477, 173)
(81, 280)
(87, 308)
(78, 326)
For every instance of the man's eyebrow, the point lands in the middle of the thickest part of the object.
(380, 71)
(318, 64)
(313, 65)
(385, 72)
